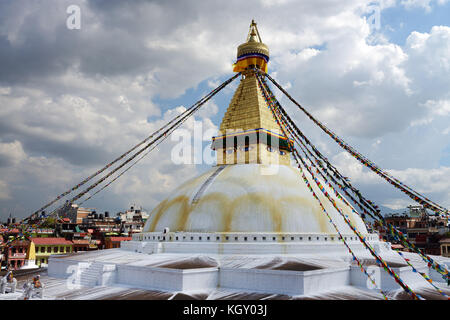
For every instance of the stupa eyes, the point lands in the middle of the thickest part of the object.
(229, 151)
(245, 149)
(270, 149)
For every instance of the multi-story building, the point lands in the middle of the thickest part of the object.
(422, 229)
(445, 247)
(45, 247)
(75, 213)
(16, 253)
(100, 226)
(81, 245)
(130, 227)
(133, 214)
(132, 220)
(114, 242)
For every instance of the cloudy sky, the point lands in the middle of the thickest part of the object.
(72, 100)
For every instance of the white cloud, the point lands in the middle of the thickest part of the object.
(4, 191)
(11, 153)
(84, 97)
(440, 108)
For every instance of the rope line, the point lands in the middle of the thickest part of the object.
(370, 205)
(392, 180)
(321, 172)
(62, 195)
(297, 156)
(184, 115)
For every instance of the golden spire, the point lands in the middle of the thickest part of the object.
(249, 132)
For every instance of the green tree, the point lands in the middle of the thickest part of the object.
(49, 223)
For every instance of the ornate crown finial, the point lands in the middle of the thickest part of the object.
(252, 53)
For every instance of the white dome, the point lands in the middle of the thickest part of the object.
(244, 198)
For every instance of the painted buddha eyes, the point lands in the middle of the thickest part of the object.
(245, 149)
(270, 149)
(249, 148)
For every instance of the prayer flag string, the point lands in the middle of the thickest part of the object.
(367, 203)
(379, 260)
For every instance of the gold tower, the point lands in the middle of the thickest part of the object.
(248, 132)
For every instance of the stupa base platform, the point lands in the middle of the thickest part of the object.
(232, 276)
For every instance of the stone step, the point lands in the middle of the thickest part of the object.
(89, 277)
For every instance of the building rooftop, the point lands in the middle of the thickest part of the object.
(120, 238)
(81, 241)
(20, 243)
(50, 241)
(7, 230)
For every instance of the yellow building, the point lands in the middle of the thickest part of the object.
(45, 247)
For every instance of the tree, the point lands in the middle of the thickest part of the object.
(49, 223)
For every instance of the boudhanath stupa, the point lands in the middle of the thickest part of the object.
(248, 228)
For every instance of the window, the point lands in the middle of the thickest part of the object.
(264, 238)
(226, 238)
(254, 238)
(49, 249)
(309, 238)
(176, 238)
(245, 238)
(273, 238)
(236, 238)
(282, 152)
(283, 238)
(217, 238)
(199, 238)
(192, 238)
(208, 238)
(292, 238)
